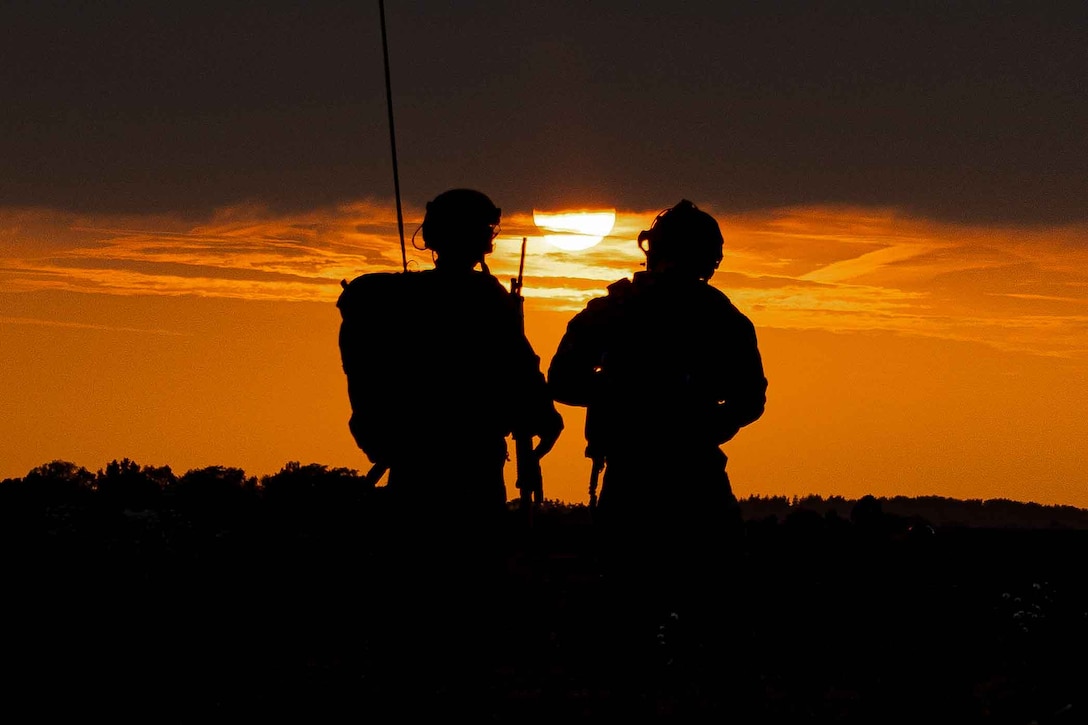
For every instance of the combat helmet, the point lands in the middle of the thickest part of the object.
(461, 223)
(685, 237)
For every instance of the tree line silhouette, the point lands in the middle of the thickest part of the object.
(140, 595)
(214, 494)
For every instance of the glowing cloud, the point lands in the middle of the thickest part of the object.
(575, 230)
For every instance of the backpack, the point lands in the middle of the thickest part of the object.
(372, 317)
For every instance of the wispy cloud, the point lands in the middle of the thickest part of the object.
(840, 269)
(241, 252)
(36, 322)
(1012, 288)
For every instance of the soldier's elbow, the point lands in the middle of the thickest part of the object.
(753, 414)
(560, 388)
(568, 398)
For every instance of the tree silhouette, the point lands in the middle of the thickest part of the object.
(214, 497)
(125, 484)
(59, 482)
(246, 598)
(313, 488)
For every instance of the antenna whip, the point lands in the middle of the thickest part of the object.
(393, 138)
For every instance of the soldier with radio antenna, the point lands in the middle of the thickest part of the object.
(439, 375)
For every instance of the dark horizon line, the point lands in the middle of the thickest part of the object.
(165, 475)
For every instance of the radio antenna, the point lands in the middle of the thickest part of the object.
(393, 138)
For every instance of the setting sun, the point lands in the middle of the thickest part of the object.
(575, 230)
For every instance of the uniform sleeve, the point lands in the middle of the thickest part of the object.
(571, 375)
(746, 389)
(535, 413)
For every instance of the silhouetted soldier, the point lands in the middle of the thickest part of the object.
(669, 370)
(439, 374)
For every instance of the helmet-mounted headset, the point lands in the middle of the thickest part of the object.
(686, 236)
(461, 222)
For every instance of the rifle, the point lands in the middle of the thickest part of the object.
(530, 481)
(594, 454)
(594, 477)
(375, 474)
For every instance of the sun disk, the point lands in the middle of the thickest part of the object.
(575, 230)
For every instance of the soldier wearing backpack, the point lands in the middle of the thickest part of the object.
(669, 370)
(439, 371)
(439, 374)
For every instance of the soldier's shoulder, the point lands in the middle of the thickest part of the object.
(615, 294)
(489, 282)
(480, 287)
(714, 296)
(472, 279)
(725, 310)
(621, 287)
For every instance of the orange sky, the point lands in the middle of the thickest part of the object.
(904, 356)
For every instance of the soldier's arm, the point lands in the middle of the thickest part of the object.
(572, 372)
(746, 398)
(538, 416)
(535, 414)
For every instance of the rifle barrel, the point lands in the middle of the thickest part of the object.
(521, 264)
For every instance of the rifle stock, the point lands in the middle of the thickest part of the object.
(375, 474)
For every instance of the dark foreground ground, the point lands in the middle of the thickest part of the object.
(145, 616)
